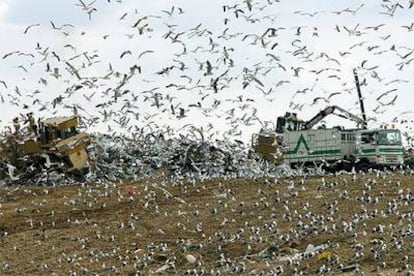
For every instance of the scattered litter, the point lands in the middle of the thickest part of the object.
(325, 255)
(190, 258)
(310, 251)
(268, 252)
(349, 268)
(164, 268)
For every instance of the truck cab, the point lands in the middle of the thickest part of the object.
(289, 122)
(380, 147)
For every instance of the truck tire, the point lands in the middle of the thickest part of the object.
(363, 167)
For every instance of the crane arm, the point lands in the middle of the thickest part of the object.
(330, 110)
(348, 115)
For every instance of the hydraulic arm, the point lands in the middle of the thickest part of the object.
(331, 110)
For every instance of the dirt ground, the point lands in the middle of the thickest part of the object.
(227, 226)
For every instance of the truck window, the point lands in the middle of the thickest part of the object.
(389, 138)
(368, 137)
(348, 137)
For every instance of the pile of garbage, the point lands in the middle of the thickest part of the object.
(116, 157)
(151, 155)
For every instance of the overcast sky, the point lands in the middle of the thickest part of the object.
(172, 50)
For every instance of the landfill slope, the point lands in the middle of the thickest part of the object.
(227, 225)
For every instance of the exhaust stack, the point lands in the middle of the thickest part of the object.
(361, 101)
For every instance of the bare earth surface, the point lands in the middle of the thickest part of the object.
(231, 226)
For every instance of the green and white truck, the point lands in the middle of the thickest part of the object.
(298, 143)
(339, 148)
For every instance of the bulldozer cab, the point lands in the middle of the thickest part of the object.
(59, 136)
(268, 145)
(59, 128)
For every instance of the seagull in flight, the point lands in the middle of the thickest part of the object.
(29, 27)
(85, 6)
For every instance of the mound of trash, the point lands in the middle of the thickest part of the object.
(115, 157)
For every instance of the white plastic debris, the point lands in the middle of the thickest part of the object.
(190, 258)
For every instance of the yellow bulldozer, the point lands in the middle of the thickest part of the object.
(268, 145)
(54, 141)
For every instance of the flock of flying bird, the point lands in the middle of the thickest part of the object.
(208, 64)
(218, 72)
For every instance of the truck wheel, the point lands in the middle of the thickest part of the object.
(364, 167)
